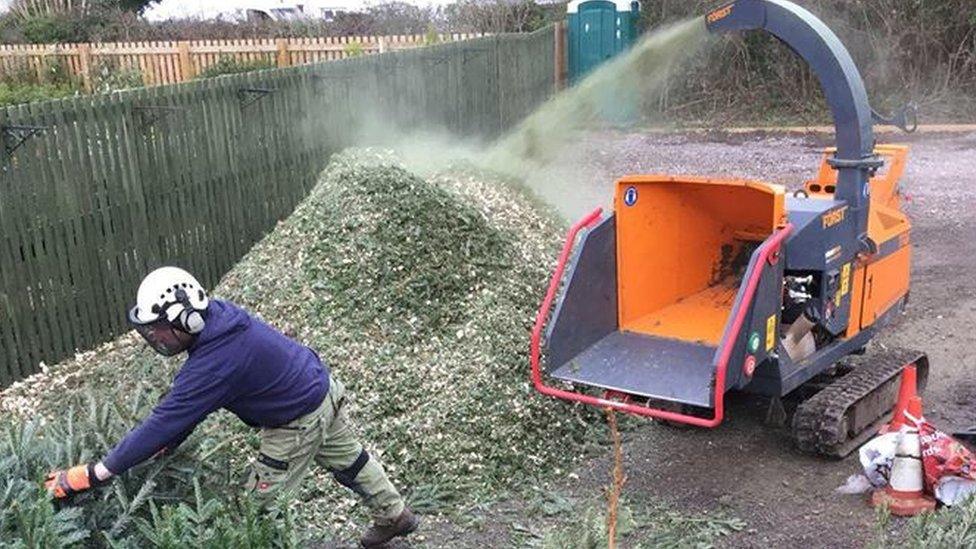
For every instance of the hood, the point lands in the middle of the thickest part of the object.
(222, 318)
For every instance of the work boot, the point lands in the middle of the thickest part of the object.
(378, 534)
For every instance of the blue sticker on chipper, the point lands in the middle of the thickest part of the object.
(630, 196)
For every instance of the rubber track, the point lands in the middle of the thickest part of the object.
(819, 421)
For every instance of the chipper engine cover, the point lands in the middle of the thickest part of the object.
(696, 286)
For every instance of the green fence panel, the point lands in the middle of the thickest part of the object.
(194, 173)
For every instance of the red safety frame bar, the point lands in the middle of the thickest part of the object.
(768, 253)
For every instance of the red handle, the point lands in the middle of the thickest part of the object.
(769, 247)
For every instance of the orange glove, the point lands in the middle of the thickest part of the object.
(79, 478)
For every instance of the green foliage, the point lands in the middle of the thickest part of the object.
(641, 524)
(53, 72)
(27, 86)
(948, 528)
(431, 36)
(173, 501)
(214, 523)
(55, 81)
(231, 65)
(353, 49)
(27, 8)
(666, 528)
(137, 6)
(54, 29)
(108, 77)
(36, 523)
(15, 94)
(588, 529)
(27, 518)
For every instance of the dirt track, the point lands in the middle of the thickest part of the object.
(743, 467)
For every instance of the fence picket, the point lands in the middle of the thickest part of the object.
(63, 328)
(32, 241)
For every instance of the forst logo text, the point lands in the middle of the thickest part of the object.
(834, 217)
(719, 14)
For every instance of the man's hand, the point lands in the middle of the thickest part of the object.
(79, 478)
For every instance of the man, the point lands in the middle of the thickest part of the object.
(268, 380)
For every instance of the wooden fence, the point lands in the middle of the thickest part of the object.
(173, 62)
(97, 190)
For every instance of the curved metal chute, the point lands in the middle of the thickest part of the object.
(839, 78)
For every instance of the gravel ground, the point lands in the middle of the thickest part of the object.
(744, 468)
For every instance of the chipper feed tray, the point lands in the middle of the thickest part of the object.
(668, 270)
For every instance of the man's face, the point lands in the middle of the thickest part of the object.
(164, 338)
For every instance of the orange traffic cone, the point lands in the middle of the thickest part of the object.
(903, 496)
(907, 390)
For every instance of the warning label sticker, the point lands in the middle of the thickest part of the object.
(770, 333)
(845, 283)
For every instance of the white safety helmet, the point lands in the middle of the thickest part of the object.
(169, 299)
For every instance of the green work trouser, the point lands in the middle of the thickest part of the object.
(326, 437)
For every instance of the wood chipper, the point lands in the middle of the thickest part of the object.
(698, 286)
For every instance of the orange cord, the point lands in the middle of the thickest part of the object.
(617, 480)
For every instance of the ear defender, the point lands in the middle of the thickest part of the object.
(190, 320)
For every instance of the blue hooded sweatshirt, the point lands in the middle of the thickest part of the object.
(238, 363)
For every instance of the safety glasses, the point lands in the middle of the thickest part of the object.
(160, 334)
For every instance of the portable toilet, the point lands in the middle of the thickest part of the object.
(598, 30)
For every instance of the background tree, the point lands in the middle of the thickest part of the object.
(29, 8)
(44, 21)
(399, 18)
(495, 16)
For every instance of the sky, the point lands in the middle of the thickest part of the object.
(181, 8)
(167, 9)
